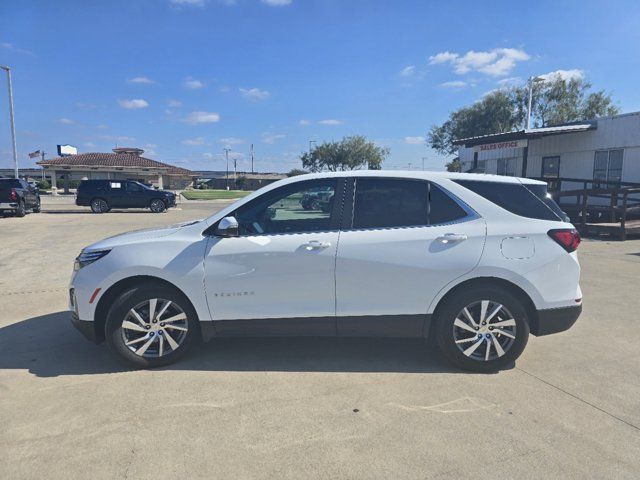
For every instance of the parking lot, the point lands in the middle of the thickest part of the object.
(300, 408)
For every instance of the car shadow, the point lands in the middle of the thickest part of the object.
(49, 346)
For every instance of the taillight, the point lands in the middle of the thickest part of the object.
(567, 238)
(13, 196)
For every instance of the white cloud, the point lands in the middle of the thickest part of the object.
(567, 75)
(102, 127)
(198, 117)
(90, 144)
(454, 84)
(134, 103)
(174, 103)
(408, 71)
(193, 141)
(331, 121)
(304, 122)
(510, 81)
(277, 3)
(254, 93)
(192, 83)
(189, 3)
(414, 140)
(66, 121)
(13, 48)
(272, 137)
(496, 62)
(141, 80)
(117, 138)
(232, 141)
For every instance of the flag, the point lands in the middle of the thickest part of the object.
(34, 154)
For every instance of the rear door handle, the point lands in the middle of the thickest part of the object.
(452, 238)
(316, 245)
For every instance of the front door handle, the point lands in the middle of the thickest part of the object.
(316, 245)
(452, 238)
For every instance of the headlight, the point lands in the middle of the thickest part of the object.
(87, 257)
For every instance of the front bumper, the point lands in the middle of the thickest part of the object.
(555, 320)
(86, 328)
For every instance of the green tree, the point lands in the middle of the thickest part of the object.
(350, 153)
(495, 113)
(555, 101)
(558, 101)
(454, 165)
(294, 172)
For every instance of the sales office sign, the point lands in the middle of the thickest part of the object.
(487, 147)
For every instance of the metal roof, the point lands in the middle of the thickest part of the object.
(527, 133)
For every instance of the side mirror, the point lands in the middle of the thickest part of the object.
(227, 227)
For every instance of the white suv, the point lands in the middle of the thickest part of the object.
(474, 262)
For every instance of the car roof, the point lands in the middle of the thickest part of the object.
(423, 175)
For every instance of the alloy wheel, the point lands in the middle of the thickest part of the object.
(155, 328)
(484, 330)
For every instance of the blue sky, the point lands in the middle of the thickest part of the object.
(183, 79)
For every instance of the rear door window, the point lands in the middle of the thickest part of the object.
(517, 198)
(390, 202)
(443, 208)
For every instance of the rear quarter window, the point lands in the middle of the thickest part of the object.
(516, 198)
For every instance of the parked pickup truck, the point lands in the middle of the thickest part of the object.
(17, 196)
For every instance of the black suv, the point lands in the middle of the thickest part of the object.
(103, 195)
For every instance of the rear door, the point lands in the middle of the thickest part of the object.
(407, 239)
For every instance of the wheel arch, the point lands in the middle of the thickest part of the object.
(498, 283)
(108, 298)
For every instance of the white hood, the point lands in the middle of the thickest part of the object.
(138, 236)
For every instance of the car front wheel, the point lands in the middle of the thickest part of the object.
(151, 325)
(157, 206)
(482, 329)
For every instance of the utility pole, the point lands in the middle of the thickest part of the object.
(235, 170)
(42, 155)
(11, 120)
(252, 158)
(423, 159)
(226, 154)
(310, 142)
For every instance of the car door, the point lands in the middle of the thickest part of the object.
(281, 266)
(116, 193)
(408, 238)
(136, 196)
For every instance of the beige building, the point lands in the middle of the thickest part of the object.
(122, 164)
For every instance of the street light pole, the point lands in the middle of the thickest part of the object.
(423, 159)
(531, 82)
(11, 120)
(226, 154)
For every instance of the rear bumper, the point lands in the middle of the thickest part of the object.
(86, 328)
(8, 206)
(555, 320)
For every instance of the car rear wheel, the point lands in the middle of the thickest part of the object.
(157, 206)
(482, 329)
(21, 211)
(98, 205)
(151, 325)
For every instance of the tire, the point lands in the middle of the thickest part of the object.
(21, 211)
(99, 205)
(459, 337)
(122, 326)
(37, 208)
(157, 206)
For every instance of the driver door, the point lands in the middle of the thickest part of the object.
(279, 271)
